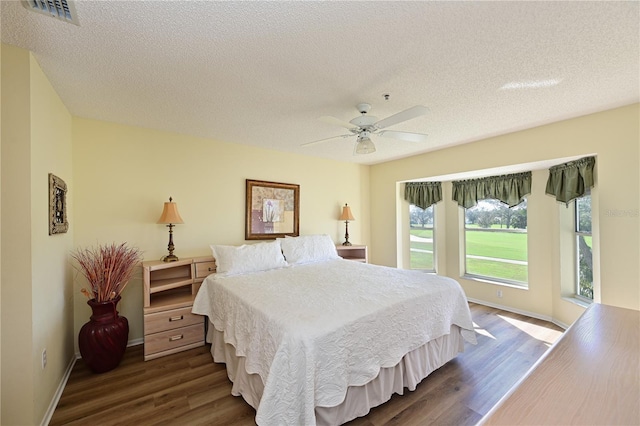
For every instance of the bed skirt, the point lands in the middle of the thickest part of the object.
(412, 368)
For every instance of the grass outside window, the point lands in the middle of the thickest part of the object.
(496, 243)
(422, 251)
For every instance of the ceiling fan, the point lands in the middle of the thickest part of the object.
(365, 125)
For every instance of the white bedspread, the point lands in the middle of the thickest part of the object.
(311, 331)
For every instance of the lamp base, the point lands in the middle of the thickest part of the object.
(170, 258)
(346, 234)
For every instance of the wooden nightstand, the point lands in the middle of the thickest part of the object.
(353, 252)
(169, 289)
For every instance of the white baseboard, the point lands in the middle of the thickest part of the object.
(560, 324)
(58, 394)
(519, 311)
(135, 342)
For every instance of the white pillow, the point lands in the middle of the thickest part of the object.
(308, 248)
(234, 260)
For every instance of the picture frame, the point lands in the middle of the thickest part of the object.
(272, 210)
(58, 221)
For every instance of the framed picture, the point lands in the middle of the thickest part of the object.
(58, 223)
(272, 210)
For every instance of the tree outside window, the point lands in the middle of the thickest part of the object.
(584, 243)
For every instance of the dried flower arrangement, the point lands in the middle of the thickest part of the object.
(107, 268)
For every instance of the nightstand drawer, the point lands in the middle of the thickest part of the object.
(204, 269)
(172, 339)
(169, 320)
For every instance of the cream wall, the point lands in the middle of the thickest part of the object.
(17, 389)
(122, 176)
(51, 276)
(612, 135)
(36, 284)
(0, 236)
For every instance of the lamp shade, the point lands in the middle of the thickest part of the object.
(346, 213)
(170, 213)
(365, 146)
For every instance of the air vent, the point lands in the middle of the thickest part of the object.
(63, 10)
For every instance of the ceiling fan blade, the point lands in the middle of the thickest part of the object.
(404, 136)
(405, 115)
(337, 122)
(325, 139)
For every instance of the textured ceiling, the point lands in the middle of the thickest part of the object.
(262, 73)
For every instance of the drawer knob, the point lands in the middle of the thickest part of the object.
(210, 269)
(174, 338)
(176, 318)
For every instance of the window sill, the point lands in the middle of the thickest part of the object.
(495, 282)
(576, 301)
(425, 271)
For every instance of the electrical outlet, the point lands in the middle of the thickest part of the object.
(44, 358)
(499, 294)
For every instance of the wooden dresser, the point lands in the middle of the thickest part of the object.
(591, 375)
(169, 289)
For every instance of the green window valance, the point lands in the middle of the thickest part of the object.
(510, 189)
(423, 194)
(570, 180)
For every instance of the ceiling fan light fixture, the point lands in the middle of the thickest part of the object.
(365, 125)
(365, 146)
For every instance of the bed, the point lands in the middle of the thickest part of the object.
(310, 338)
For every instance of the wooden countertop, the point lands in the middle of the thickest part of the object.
(590, 376)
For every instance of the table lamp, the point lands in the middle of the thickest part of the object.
(170, 216)
(346, 216)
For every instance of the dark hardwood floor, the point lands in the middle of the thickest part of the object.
(189, 389)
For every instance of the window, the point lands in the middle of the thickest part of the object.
(496, 242)
(584, 242)
(422, 237)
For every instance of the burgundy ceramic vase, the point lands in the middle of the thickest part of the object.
(103, 339)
